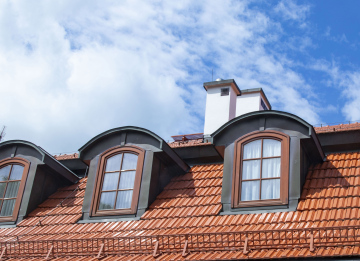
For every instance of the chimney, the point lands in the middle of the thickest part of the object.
(225, 101)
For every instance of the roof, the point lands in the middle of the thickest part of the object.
(66, 156)
(338, 128)
(325, 224)
(188, 143)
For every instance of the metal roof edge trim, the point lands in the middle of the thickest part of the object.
(312, 133)
(27, 143)
(255, 113)
(118, 129)
(42, 152)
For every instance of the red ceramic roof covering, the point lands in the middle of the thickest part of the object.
(66, 156)
(338, 128)
(324, 129)
(191, 204)
(188, 143)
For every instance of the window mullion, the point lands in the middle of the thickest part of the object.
(261, 161)
(117, 187)
(7, 184)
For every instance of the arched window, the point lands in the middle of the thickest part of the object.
(118, 181)
(13, 173)
(261, 169)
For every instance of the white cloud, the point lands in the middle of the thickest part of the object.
(290, 10)
(72, 69)
(338, 38)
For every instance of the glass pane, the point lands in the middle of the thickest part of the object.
(12, 189)
(250, 190)
(4, 173)
(271, 148)
(252, 150)
(7, 207)
(251, 169)
(107, 200)
(2, 189)
(110, 181)
(130, 161)
(124, 199)
(270, 189)
(127, 180)
(16, 172)
(271, 168)
(113, 163)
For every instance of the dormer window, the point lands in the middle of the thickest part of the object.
(13, 173)
(261, 169)
(118, 181)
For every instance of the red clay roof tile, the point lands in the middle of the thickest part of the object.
(191, 204)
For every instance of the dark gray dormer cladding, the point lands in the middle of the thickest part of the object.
(160, 164)
(304, 149)
(44, 176)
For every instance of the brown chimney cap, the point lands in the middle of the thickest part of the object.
(221, 83)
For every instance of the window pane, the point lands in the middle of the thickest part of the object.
(270, 189)
(107, 200)
(271, 168)
(130, 161)
(250, 190)
(110, 181)
(16, 172)
(113, 163)
(271, 148)
(124, 199)
(251, 169)
(2, 189)
(4, 173)
(252, 150)
(127, 180)
(12, 189)
(7, 207)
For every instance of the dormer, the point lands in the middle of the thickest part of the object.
(29, 175)
(266, 158)
(128, 168)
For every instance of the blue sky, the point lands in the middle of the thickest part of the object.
(72, 69)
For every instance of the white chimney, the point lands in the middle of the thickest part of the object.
(225, 101)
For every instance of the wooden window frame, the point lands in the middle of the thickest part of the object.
(284, 169)
(26, 165)
(99, 181)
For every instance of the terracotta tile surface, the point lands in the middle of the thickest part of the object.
(200, 142)
(337, 128)
(188, 143)
(190, 204)
(66, 156)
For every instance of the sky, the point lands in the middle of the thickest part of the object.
(71, 69)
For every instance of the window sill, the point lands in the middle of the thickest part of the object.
(107, 218)
(260, 203)
(117, 212)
